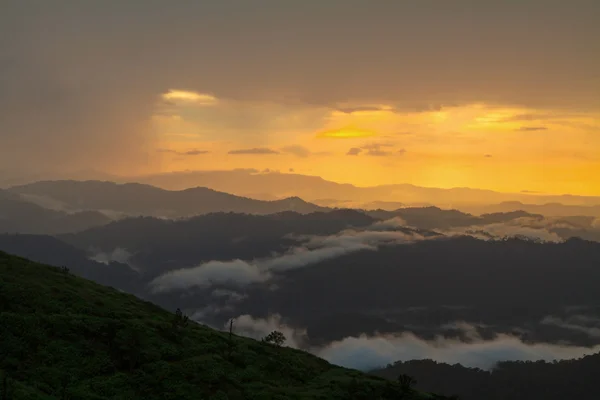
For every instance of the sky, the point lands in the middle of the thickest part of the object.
(501, 95)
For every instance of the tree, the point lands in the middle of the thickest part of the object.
(277, 338)
(406, 382)
(180, 320)
(230, 343)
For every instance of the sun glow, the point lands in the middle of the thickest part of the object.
(346, 133)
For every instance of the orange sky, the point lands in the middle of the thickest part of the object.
(503, 148)
(502, 95)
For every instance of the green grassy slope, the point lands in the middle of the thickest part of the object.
(65, 337)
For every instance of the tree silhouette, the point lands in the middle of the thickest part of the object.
(406, 382)
(277, 338)
(180, 320)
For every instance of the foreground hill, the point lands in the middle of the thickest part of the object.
(139, 199)
(65, 337)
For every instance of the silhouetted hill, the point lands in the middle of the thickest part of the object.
(20, 216)
(159, 244)
(553, 209)
(64, 337)
(49, 250)
(437, 218)
(569, 379)
(139, 199)
(245, 182)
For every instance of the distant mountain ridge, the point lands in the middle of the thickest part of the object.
(17, 215)
(143, 199)
(312, 188)
(270, 186)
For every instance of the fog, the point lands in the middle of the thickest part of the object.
(315, 250)
(367, 353)
(117, 255)
(370, 352)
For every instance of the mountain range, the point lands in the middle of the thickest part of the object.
(141, 199)
(253, 183)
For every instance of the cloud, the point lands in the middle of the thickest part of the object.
(578, 323)
(366, 353)
(370, 352)
(315, 249)
(389, 224)
(531, 128)
(119, 255)
(193, 152)
(514, 228)
(378, 153)
(299, 151)
(350, 110)
(255, 150)
(230, 295)
(373, 149)
(235, 272)
(488, 156)
(203, 99)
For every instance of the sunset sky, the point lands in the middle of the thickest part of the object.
(502, 95)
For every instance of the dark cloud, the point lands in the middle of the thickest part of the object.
(256, 150)
(374, 149)
(402, 151)
(194, 152)
(378, 153)
(377, 146)
(531, 128)
(299, 151)
(488, 156)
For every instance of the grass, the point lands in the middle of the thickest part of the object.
(63, 337)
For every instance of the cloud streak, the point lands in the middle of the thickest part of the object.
(193, 152)
(298, 151)
(255, 151)
(241, 273)
(531, 128)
